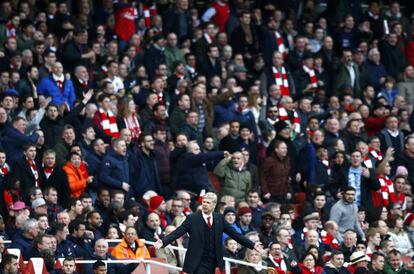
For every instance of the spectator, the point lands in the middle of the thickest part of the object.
(24, 238)
(101, 253)
(275, 175)
(191, 170)
(336, 263)
(345, 213)
(62, 146)
(131, 247)
(143, 166)
(114, 171)
(77, 238)
(10, 264)
(56, 86)
(77, 177)
(253, 257)
(236, 180)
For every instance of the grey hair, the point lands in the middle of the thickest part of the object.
(30, 224)
(211, 196)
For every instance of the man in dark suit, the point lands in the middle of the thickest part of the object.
(205, 229)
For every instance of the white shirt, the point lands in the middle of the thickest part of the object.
(205, 218)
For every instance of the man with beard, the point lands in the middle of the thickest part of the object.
(10, 264)
(78, 239)
(102, 202)
(151, 227)
(64, 248)
(27, 85)
(94, 224)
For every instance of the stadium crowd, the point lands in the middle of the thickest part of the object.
(117, 116)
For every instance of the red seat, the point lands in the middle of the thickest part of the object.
(218, 271)
(58, 265)
(300, 197)
(215, 182)
(35, 266)
(234, 270)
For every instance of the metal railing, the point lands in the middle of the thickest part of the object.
(148, 263)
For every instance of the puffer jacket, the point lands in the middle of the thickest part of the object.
(234, 182)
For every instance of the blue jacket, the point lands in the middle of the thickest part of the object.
(48, 87)
(82, 247)
(192, 172)
(22, 243)
(94, 161)
(13, 142)
(65, 249)
(113, 170)
(144, 173)
(375, 72)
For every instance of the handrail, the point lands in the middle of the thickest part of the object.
(145, 261)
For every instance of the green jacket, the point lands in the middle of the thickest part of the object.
(172, 55)
(233, 182)
(389, 270)
(62, 152)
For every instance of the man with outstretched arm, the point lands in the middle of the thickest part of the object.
(205, 228)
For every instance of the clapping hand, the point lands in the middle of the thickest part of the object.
(158, 244)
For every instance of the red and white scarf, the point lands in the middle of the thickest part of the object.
(133, 125)
(387, 190)
(279, 263)
(280, 45)
(326, 164)
(281, 80)
(312, 76)
(33, 168)
(10, 31)
(368, 162)
(376, 154)
(48, 171)
(4, 170)
(148, 12)
(59, 81)
(208, 38)
(328, 239)
(160, 98)
(108, 123)
(283, 115)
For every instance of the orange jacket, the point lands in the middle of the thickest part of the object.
(76, 178)
(123, 251)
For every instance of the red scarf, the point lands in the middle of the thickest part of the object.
(283, 115)
(160, 98)
(148, 12)
(281, 80)
(209, 38)
(387, 190)
(133, 125)
(4, 170)
(48, 171)
(84, 84)
(11, 31)
(376, 154)
(33, 168)
(280, 45)
(368, 162)
(60, 85)
(108, 123)
(330, 240)
(312, 76)
(326, 164)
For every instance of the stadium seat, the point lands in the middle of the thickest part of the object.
(214, 180)
(218, 271)
(234, 270)
(35, 266)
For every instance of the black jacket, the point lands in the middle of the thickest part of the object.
(193, 225)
